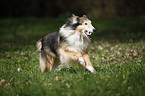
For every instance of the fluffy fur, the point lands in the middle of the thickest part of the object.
(69, 45)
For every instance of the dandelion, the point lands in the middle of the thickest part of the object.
(99, 47)
(25, 58)
(68, 85)
(106, 50)
(3, 80)
(115, 61)
(108, 44)
(135, 54)
(129, 88)
(111, 48)
(103, 58)
(112, 55)
(123, 61)
(127, 49)
(130, 58)
(7, 84)
(22, 53)
(107, 58)
(56, 78)
(62, 81)
(118, 53)
(139, 60)
(47, 84)
(131, 50)
(142, 50)
(98, 65)
(96, 58)
(119, 48)
(127, 55)
(119, 59)
(125, 81)
(19, 69)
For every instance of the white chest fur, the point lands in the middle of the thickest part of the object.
(77, 41)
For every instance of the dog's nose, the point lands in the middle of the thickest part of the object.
(94, 30)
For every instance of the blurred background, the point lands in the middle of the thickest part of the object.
(55, 8)
(23, 22)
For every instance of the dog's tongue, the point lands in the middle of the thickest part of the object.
(88, 35)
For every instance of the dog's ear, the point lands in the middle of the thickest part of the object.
(73, 15)
(68, 21)
(84, 16)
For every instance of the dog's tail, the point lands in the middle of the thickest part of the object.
(39, 45)
(47, 58)
(42, 56)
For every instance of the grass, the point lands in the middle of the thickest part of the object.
(117, 53)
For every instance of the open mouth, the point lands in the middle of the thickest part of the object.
(88, 34)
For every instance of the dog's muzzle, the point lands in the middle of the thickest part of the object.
(89, 33)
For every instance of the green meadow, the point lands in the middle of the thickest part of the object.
(117, 52)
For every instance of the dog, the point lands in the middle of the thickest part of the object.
(69, 45)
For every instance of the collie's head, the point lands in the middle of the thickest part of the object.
(85, 26)
(76, 24)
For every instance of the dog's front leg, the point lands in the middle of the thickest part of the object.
(88, 63)
(82, 58)
(68, 57)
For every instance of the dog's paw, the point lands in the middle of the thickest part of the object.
(91, 69)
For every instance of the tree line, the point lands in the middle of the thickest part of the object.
(54, 8)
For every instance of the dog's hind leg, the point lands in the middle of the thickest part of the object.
(47, 62)
(43, 61)
(42, 56)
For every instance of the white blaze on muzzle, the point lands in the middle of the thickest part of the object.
(88, 32)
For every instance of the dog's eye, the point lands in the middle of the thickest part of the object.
(86, 23)
(86, 31)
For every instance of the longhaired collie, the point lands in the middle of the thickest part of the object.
(68, 46)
